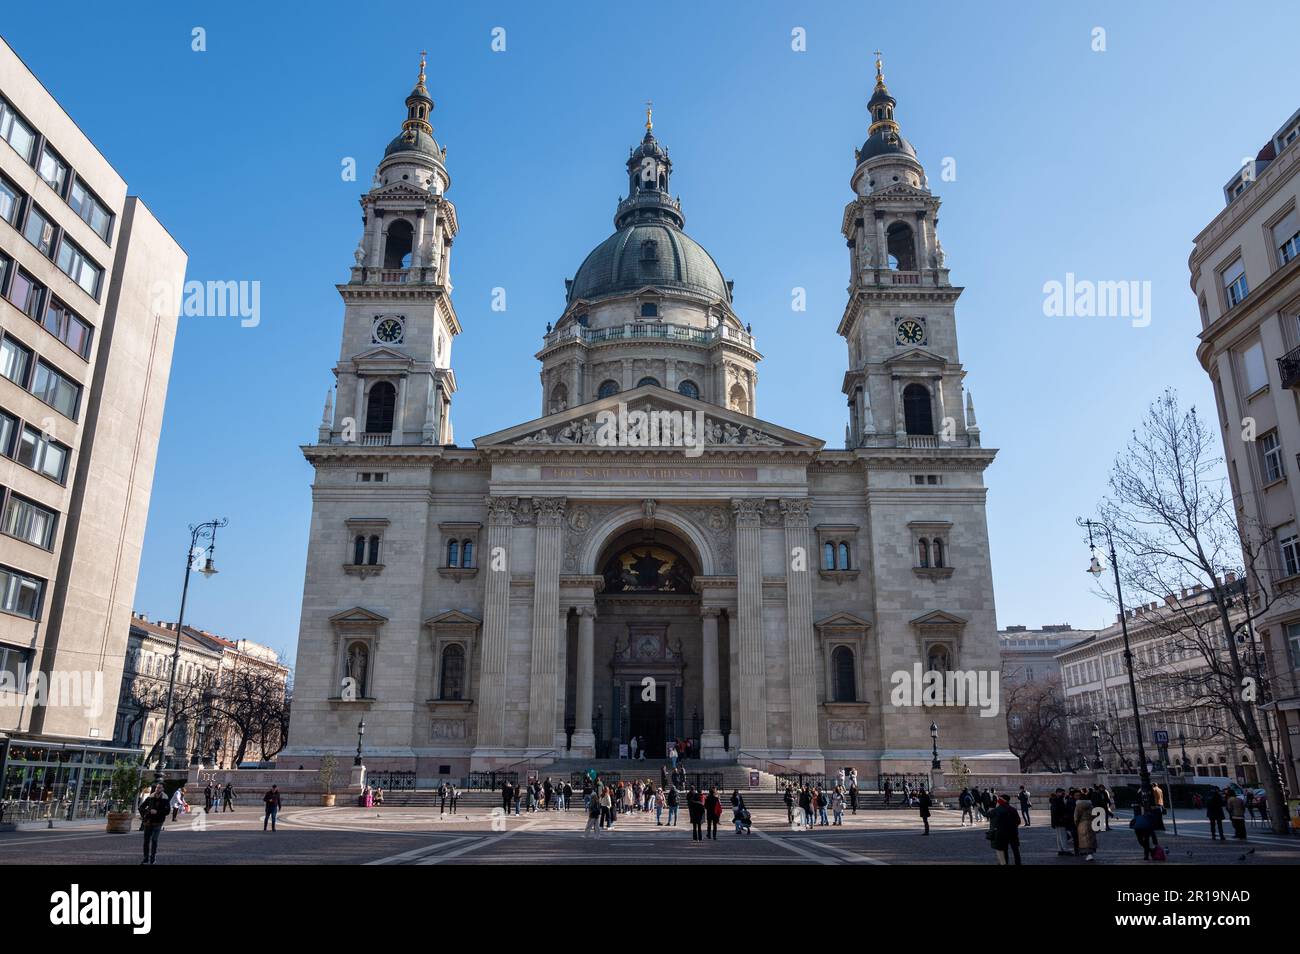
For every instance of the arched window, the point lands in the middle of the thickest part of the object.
(938, 553)
(607, 389)
(916, 409)
(828, 556)
(736, 398)
(645, 381)
(901, 245)
(923, 554)
(380, 407)
(359, 550)
(397, 245)
(374, 551)
(559, 398)
(452, 684)
(846, 689)
(467, 553)
(453, 553)
(689, 388)
(356, 667)
(843, 561)
(940, 659)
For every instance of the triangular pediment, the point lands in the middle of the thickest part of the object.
(843, 621)
(400, 190)
(358, 614)
(382, 356)
(453, 618)
(939, 618)
(915, 356)
(581, 427)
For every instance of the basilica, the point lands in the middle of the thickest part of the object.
(646, 558)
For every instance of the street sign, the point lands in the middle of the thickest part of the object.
(1162, 737)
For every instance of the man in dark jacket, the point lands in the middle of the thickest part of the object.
(712, 811)
(695, 809)
(1214, 812)
(1062, 820)
(153, 812)
(1003, 822)
(923, 801)
(272, 801)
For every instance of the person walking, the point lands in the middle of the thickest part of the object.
(1023, 797)
(889, 791)
(1060, 821)
(1085, 836)
(1144, 827)
(853, 792)
(695, 814)
(594, 812)
(823, 799)
(1237, 815)
(272, 801)
(712, 812)
(837, 805)
(178, 803)
(207, 799)
(228, 798)
(153, 815)
(670, 800)
(788, 798)
(1214, 812)
(923, 803)
(967, 802)
(1003, 832)
(453, 795)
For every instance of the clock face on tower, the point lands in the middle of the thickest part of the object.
(910, 331)
(388, 329)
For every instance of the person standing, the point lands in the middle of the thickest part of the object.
(671, 801)
(178, 803)
(1237, 815)
(712, 812)
(1057, 812)
(1023, 796)
(228, 798)
(453, 794)
(788, 798)
(837, 805)
(272, 801)
(207, 799)
(1004, 823)
(923, 803)
(1085, 836)
(1214, 812)
(695, 812)
(805, 806)
(594, 812)
(889, 791)
(967, 803)
(153, 814)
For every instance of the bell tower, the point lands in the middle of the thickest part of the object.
(904, 383)
(394, 375)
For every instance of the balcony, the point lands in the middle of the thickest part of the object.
(1288, 368)
(378, 439)
(905, 278)
(394, 276)
(648, 329)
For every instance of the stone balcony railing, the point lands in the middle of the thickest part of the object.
(376, 439)
(648, 329)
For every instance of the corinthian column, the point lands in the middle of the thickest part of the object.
(805, 742)
(543, 685)
(496, 619)
(751, 672)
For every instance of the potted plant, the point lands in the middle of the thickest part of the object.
(326, 776)
(123, 791)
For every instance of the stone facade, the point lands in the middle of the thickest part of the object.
(649, 557)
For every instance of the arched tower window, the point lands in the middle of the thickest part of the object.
(453, 672)
(359, 550)
(397, 244)
(607, 389)
(736, 398)
(901, 245)
(845, 685)
(467, 553)
(828, 556)
(374, 551)
(843, 561)
(923, 554)
(453, 553)
(380, 407)
(917, 414)
(689, 388)
(937, 547)
(645, 381)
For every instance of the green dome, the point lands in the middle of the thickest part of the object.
(648, 253)
(411, 140)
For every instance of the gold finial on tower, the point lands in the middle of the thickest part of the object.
(649, 107)
(880, 71)
(423, 54)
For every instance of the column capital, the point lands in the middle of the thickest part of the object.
(587, 612)
(501, 510)
(710, 612)
(796, 510)
(549, 510)
(748, 510)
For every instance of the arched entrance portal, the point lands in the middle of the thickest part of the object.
(648, 650)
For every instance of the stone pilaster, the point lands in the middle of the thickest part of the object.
(749, 624)
(800, 556)
(584, 739)
(711, 735)
(496, 621)
(547, 630)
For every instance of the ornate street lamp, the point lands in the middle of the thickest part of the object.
(195, 554)
(361, 731)
(1094, 567)
(934, 746)
(1096, 747)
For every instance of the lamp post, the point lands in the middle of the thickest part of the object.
(1144, 775)
(204, 531)
(361, 731)
(1096, 747)
(934, 746)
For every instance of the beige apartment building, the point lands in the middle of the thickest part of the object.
(1245, 272)
(85, 354)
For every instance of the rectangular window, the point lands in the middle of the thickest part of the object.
(29, 521)
(62, 322)
(42, 454)
(20, 593)
(53, 170)
(1252, 362)
(91, 210)
(79, 268)
(1290, 545)
(14, 361)
(13, 664)
(56, 390)
(1270, 449)
(39, 230)
(1293, 643)
(1286, 238)
(8, 425)
(16, 132)
(11, 201)
(1234, 283)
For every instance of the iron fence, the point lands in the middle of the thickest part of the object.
(392, 781)
(899, 780)
(800, 779)
(487, 781)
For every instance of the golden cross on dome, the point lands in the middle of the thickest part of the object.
(649, 107)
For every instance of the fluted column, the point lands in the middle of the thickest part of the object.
(584, 740)
(547, 629)
(749, 624)
(496, 621)
(805, 741)
(711, 736)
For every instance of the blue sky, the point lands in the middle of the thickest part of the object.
(1104, 164)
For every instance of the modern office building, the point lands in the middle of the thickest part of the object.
(1245, 272)
(85, 353)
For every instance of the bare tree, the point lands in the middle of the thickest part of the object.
(1178, 535)
(251, 707)
(1037, 724)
